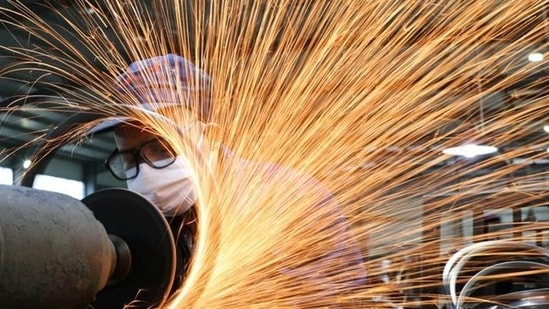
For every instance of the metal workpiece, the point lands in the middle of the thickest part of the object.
(53, 252)
(145, 248)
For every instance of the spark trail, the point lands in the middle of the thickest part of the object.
(362, 95)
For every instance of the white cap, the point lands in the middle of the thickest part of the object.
(154, 80)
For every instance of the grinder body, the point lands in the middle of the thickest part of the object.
(53, 253)
(110, 250)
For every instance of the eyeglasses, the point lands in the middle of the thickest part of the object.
(124, 165)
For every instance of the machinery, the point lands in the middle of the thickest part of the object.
(111, 249)
(498, 274)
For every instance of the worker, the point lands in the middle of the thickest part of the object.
(159, 87)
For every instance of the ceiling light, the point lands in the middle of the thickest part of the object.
(535, 57)
(26, 163)
(470, 150)
(546, 128)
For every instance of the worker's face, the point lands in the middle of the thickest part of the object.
(136, 146)
(129, 137)
(194, 140)
(155, 171)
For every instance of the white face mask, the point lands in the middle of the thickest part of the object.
(170, 189)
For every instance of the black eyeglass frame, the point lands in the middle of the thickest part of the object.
(137, 157)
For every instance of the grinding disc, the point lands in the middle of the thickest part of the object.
(134, 219)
